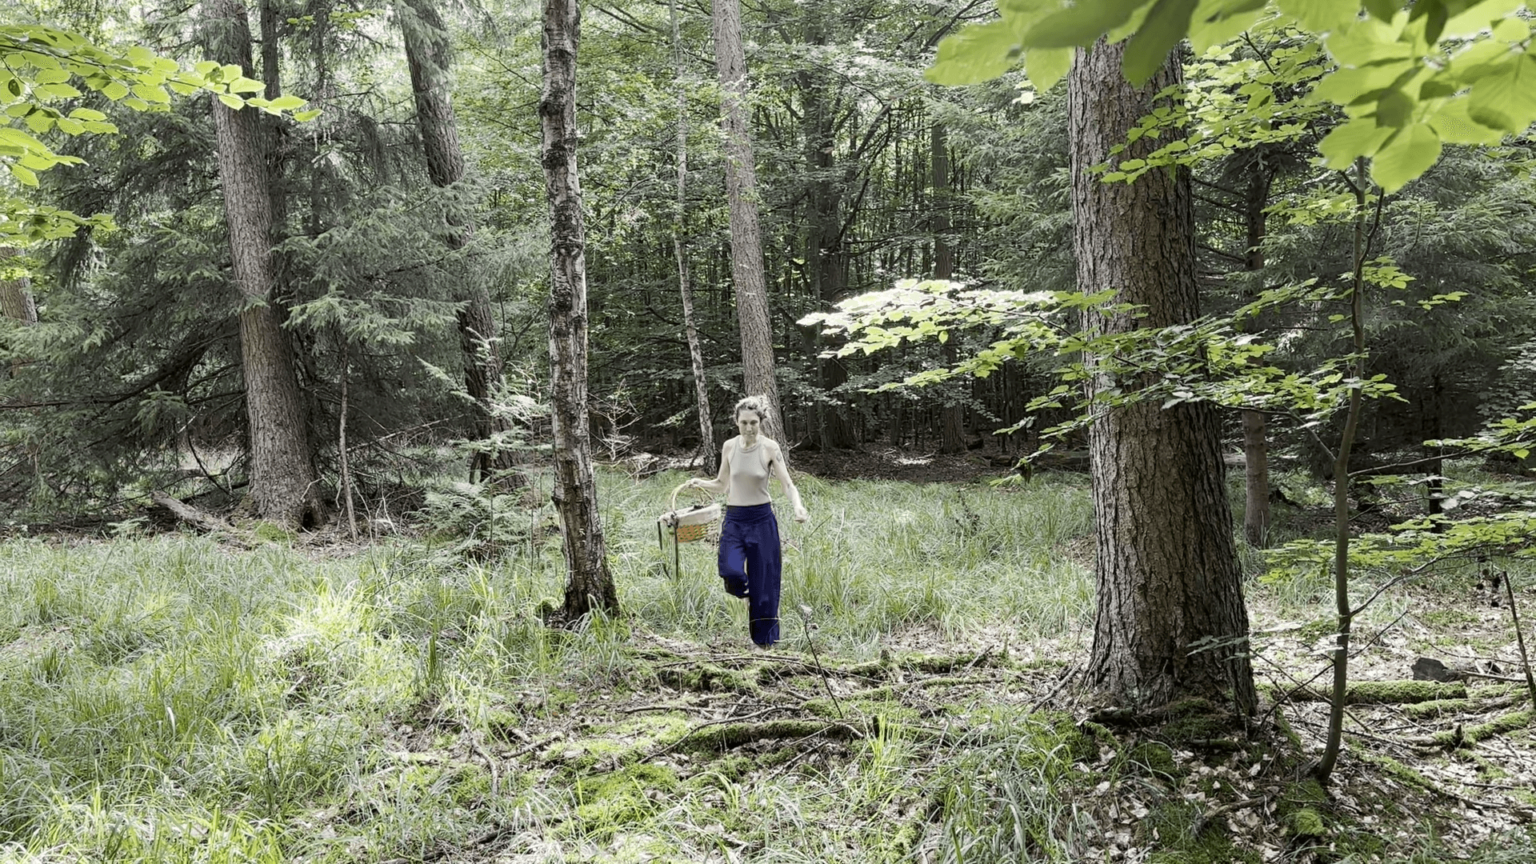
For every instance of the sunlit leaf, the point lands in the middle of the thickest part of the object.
(977, 53)
(1405, 157)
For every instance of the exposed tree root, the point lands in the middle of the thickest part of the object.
(206, 521)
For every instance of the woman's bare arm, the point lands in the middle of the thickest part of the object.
(722, 482)
(781, 471)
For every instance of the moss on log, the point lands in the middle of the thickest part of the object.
(1387, 693)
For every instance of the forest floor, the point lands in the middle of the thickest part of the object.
(173, 698)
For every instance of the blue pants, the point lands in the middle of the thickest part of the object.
(750, 565)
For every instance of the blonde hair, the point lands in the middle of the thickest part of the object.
(758, 404)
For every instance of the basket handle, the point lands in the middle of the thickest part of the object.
(672, 505)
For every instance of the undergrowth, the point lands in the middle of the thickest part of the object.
(168, 699)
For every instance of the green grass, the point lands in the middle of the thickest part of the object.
(874, 558)
(166, 699)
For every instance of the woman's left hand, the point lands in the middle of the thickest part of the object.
(800, 514)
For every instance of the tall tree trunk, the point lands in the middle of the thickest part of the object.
(746, 236)
(1256, 516)
(282, 469)
(16, 303)
(952, 415)
(428, 55)
(680, 249)
(1435, 427)
(590, 583)
(1167, 573)
(829, 255)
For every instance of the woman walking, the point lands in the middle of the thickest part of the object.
(749, 541)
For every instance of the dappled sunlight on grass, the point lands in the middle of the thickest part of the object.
(169, 699)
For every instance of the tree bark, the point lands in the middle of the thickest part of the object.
(282, 469)
(1256, 514)
(952, 415)
(17, 304)
(590, 583)
(1171, 622)
(828, 252)
(680, 249)
(746, 235)
(429, 57)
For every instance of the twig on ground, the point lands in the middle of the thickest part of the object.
(537, 745)
(1525, 660)
(1205, 818)
(474, 744)
(1066, 676)
(702, 726)
(805, 622)
(641, 709)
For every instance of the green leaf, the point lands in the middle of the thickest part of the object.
(23, 175)
(1045, 66)
(1394, 109)
(1512, 30)
(1479, 16)
(1435, 15)
(1506, 99)
(152, 94)
(1321, 16)
(114, 90)
(39, 122)
(1081, 24)
(977, 53)
(1346, 86)
(1407, 155)
(1166, 24)
(234, 103)
(1382, 10)
(1358, 137)
(286, 103)
(1455, 126)
(245, 85)
(1213, 27)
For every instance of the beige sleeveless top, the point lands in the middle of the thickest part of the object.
(749, 476)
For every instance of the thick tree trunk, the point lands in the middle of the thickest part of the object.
(1171, 621)
(282, 471)
(746, 236)
(590, 583)
(951, 416)
(1256, 516)
(16, 303)
(680, 250)
(428, 56)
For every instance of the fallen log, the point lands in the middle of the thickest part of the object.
(1386, 692)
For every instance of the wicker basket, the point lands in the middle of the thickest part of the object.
(701, 521)
(689, 524)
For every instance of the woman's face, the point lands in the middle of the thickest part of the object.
(749, 424)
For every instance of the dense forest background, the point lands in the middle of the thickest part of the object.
(326, 285)
(867, 174)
